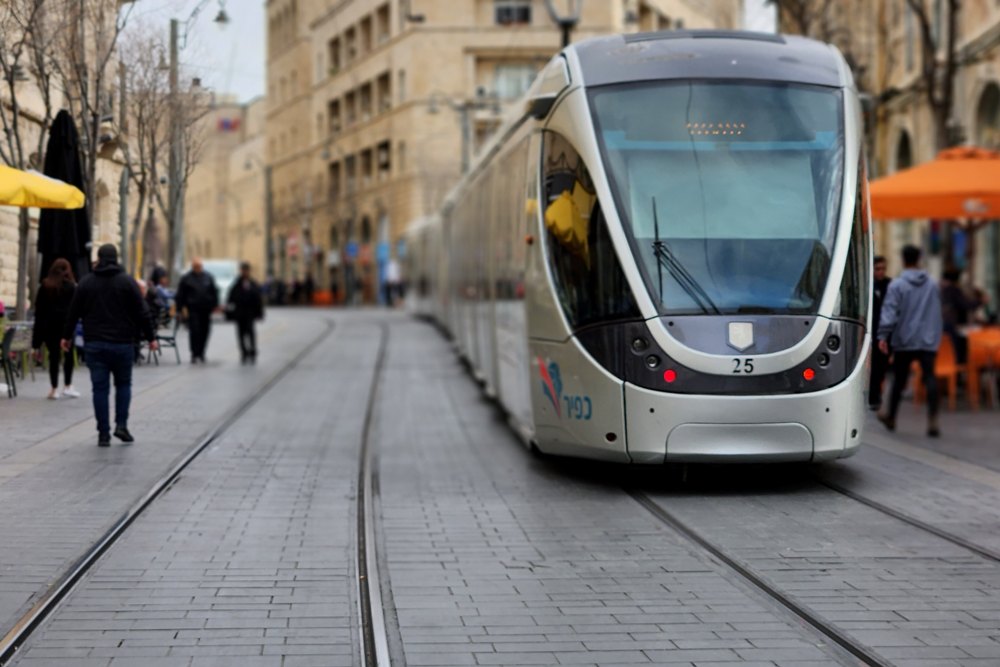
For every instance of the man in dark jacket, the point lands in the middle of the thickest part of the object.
(110, 305)
(198, 295)
(880, 360)
(245, 306)
(911, 327)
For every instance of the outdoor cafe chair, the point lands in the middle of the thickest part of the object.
(984, 356)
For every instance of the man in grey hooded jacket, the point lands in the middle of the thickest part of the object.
(911, 327)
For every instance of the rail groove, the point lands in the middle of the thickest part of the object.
(861, 653)
(373, 635)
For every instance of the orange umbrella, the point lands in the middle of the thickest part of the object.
(961, 183)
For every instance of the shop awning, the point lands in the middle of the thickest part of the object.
(31, 189)
(961, 183)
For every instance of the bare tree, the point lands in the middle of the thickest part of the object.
(147, 115)
(85, 55)
(27, 69)
(939, 62)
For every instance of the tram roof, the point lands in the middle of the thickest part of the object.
(708, 54)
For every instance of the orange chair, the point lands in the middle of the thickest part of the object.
(984, 347)
(946, 368)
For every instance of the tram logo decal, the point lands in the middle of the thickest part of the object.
(577, 407)
(551, 383)
(740, 335)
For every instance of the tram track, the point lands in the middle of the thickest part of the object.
(46, 605)
(984, 552)
(842, 640)
(373, 636)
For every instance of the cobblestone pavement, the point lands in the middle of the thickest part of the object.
(492, 556)
(247, 559)
(60, 492)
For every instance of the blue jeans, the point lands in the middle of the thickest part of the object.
(105, 360)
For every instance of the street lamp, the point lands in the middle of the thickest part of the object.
(568, 21)
(465, 108)
(268, 210)
(175, 191)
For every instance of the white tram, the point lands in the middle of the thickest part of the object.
(666, 257)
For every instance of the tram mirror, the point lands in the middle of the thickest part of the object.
(539, 107)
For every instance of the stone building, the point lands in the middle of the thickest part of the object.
(375, 105)
(104, 201)
(225, 214)
(882, 39)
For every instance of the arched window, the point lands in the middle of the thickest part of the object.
(366, 230)
(904, 151)
(988, 118)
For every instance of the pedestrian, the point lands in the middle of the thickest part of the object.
(51, 310)
(109, 303)
(956, 308)
(157, 296)
(393, 282)
(245, 306)
(198, 296)
(880, 360)
(308, 289)
(911, 326)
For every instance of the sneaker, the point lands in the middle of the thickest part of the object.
(887, 421)
(103, 440)
(69, 392)
(122, 434)
(53, 395)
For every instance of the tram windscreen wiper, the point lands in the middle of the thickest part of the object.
(665, 259)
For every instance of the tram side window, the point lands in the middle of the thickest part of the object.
(588, 277)
(854, 288)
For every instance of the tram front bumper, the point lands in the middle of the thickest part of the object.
(817, 426)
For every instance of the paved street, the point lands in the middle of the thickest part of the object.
(488, 554)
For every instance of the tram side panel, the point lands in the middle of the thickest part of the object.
(517, 201)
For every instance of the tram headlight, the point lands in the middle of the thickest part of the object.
(640, 344)
(652, 361)
(833, 342)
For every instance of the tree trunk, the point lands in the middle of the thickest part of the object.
(23, 252)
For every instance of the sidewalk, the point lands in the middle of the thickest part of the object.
(60, 492)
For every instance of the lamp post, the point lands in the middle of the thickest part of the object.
(566, 22)
(268, 212)
(465, 109)
(175, 185)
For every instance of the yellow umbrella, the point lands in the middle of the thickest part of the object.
(31, 189)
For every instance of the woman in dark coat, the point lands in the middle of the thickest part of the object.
(51, 309)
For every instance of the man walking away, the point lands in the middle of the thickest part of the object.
(911, 327)
(880, 360)
(198, 295)
(245, 306)
(109, 303)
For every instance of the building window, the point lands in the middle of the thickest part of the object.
(382, 24)
(335, 185)
(512, 81)
(384, 92)
(351, 173)
(366, 101)
(334, 111)
(367, 167)
(366, 34)
(351, 107)
(383, 155)
(402, 86)
(351, 45)
(401, 157)
(512, 12)
(334, 54)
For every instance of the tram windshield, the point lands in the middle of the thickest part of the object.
(729, 192)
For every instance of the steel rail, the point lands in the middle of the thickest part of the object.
(984, 552)
(373, 637)
(862, 653)
(29, 622)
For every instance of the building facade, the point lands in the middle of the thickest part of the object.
(885, 44)
(374, 106)
(225, 212)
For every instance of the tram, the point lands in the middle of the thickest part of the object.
(665, 255)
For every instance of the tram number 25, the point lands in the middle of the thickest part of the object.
(742, 366)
